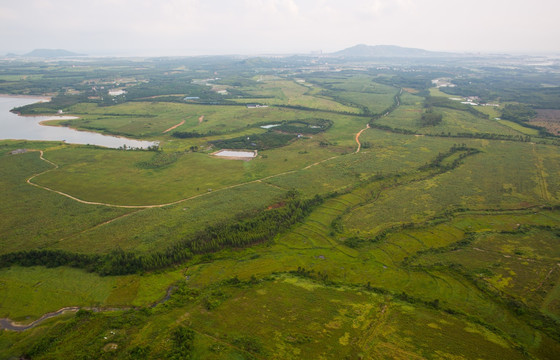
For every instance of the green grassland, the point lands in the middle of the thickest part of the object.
(119, 177)
(454, 122)
(152, 229)
(423, 244)
(284, 92)
(349, 323)
(361, 91)
(28, 293)
(504, 176)
(34, 217)
(151, 119)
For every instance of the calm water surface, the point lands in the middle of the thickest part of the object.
(17, 127)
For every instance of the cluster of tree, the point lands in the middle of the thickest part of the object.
(59, 102)
(431, 118)
(307, 126)
(491, 136)
(518, 112)
(182, 339)
(238, 233)
(268, 140)
(188, 134)
(255, 229)
(519, 85)
(391, 129)
(419, 80)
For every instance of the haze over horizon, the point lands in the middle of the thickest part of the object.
(248, 27)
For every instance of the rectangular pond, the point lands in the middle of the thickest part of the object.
(236, 154)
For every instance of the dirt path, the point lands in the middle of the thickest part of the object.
(55, 166)
(174, 127)
(98, 225)
(358, 138)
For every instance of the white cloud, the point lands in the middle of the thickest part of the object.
(218, 26)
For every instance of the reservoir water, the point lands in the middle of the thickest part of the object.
(13, 126)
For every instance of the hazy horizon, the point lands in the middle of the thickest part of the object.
(257, 27)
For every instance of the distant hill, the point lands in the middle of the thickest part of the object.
(51, 53)
(386, 51)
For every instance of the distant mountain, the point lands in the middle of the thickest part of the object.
(384, 51)
(51, 53)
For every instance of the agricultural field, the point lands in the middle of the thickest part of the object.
(378, 219)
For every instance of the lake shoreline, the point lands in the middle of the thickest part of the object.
(37, 127)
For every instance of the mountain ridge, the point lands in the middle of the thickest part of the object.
(363, 50)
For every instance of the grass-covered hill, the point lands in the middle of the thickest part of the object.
(380, 219)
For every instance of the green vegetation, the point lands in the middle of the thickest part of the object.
(380, 219)
(268, 140)
(431, 118)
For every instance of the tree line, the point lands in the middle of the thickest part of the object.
(237, 233)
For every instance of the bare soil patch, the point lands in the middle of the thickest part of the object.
(174, 126)
(276, 206)
(411, 90)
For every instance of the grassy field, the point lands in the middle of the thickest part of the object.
(151, 120)
(285, 92)
(38, 218)
(420, 245)
(505, 176)
(28, 293)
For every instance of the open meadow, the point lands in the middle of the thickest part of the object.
(378, 219)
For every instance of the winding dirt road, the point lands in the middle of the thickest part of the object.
(358, 138)
(174, 127)
(55, 166)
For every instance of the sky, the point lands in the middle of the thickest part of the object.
(253, 27)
